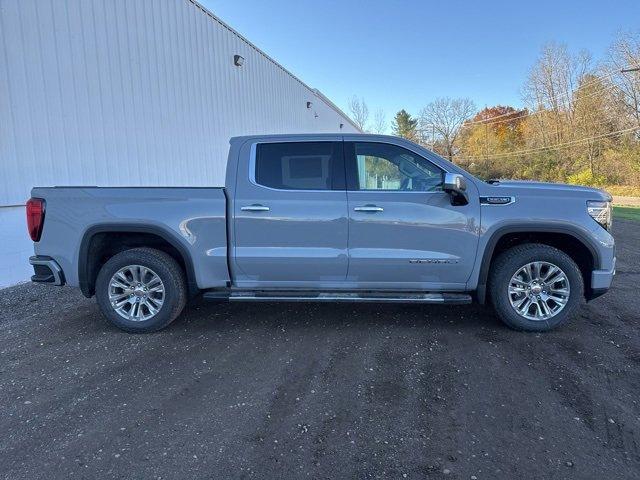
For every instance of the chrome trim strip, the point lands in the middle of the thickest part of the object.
(254, 208)
(352, 297)
(237, 298)
(252, 170)
(369, 208)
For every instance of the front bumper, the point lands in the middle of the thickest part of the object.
(601, 281)
(46, 270)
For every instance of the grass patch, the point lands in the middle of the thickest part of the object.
(627, 213)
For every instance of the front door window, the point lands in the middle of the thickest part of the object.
(390, 167)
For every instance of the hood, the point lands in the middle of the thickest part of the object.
(550, 188)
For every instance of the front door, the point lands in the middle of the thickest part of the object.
(290, 214)
(404, 233)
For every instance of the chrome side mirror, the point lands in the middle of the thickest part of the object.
(456, 185)
(454, 182)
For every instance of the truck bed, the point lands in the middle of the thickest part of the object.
(192, 220)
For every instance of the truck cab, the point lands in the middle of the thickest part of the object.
(343, 213)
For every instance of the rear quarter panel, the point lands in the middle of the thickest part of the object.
(195, 218)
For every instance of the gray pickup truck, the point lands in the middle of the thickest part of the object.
(357, 218)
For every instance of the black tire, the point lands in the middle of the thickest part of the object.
(173, 279)
(509, 262)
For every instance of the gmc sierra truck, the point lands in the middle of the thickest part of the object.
(331, 218)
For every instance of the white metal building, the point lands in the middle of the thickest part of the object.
(126, 93)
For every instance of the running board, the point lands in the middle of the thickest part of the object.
(305, 296)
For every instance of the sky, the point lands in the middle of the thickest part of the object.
(403, 54)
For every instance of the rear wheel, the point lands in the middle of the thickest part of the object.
(535, 287)
(141, 290)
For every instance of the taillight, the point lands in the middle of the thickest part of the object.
(35, 217)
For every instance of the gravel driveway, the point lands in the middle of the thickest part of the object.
(320, 390)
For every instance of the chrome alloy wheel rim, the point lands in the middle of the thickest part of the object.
(136, 293)
(539, 290)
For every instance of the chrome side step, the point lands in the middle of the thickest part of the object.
(373, 297)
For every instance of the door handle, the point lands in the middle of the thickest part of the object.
(255, 208)
(369, 208)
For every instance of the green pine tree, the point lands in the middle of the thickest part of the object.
(403, 125)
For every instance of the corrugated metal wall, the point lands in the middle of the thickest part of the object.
(121, 92)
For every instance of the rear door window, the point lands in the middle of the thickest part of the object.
(300, 166)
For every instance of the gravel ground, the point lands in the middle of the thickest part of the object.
(321, 391)
(628, 201)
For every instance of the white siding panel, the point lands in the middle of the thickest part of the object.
(119, 93)
(16, 247)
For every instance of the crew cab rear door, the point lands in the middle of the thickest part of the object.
(290, 214)
(404, 232)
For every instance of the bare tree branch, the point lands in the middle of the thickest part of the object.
(379, 122)
(625, 53)
(359, 112)
(445, 116)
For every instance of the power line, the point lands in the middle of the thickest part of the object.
(552, 147)
(519, 115)
(569, 93)
(555, 146)
(516, 115)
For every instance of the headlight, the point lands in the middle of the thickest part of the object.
(600, 212)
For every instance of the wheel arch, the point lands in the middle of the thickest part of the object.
(585, 253)
(129, 236)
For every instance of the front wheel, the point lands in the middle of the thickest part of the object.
(535, 287)
(141, 290)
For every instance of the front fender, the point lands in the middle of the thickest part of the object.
(490, 239)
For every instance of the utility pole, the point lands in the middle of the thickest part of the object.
(629, 70)
(486, 138)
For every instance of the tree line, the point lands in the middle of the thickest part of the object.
(580, 122)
